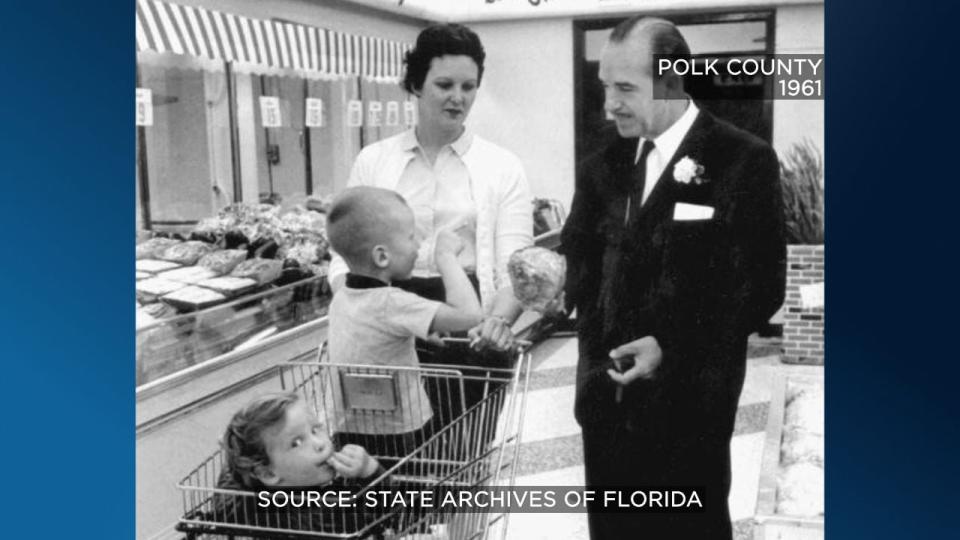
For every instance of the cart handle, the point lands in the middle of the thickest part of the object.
(519, 345)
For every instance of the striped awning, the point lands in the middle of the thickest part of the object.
(168, 27)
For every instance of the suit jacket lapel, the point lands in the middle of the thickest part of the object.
(691, 145)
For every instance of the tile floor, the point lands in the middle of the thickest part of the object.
(551, 453)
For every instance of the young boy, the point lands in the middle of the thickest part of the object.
(372, 322)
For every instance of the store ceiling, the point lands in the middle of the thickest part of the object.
(491, 10)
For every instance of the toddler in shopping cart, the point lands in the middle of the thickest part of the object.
(277, 442)
(374, 323)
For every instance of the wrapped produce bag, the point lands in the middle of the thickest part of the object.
(538, 275)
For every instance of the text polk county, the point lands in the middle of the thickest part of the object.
(781, 67)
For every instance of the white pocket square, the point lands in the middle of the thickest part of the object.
(691, 212)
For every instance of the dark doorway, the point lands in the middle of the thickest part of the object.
(714, 35)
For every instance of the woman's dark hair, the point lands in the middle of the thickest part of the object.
(436, 41)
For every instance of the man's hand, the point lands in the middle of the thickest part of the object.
(353, 461)
(646, 354)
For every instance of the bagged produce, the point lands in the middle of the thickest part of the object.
(262, 270)
(304, 252)
(223, 261)
(154, 247)
(299, 220)
(218, 225)
(193, 297)
(229, 285)
(187, 253)
(188, 274)
(154, 266)
(537, 275)
(254, 221)
(149, 289)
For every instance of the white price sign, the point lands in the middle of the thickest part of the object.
(314, 112)
(393, 113)
(354, 113)
(144, 107)
(270, 111)
(409, 113)
(374, 114)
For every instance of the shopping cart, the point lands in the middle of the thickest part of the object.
(466, 446)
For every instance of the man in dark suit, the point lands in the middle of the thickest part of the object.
(675, 254)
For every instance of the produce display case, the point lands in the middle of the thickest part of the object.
(169, 345)
(770, 522)
(230, 281)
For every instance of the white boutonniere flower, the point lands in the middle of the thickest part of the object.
(687, 170)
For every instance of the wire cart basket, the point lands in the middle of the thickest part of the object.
(471, 442)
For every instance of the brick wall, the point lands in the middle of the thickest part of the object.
(803, 327)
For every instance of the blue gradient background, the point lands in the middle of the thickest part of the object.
(67, 223)
(67, 229)
(892, 458)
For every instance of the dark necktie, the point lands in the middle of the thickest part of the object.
(612, 285)
(635, 197)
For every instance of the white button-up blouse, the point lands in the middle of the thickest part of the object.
(499, 193)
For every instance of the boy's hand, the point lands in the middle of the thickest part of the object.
(353, 461)
(492, 333)
(448, 242)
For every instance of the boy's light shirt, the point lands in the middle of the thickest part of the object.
(377, 324)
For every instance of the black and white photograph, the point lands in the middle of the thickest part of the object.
(480, 269)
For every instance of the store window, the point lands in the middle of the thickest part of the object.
(245, 131)
(184, 156)
(223, 135)
(209, 146)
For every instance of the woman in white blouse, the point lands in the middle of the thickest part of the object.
(453, 178)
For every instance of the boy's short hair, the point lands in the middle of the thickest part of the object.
(243, 441)
(359, 219)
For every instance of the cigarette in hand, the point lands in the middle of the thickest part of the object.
(618, 395)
